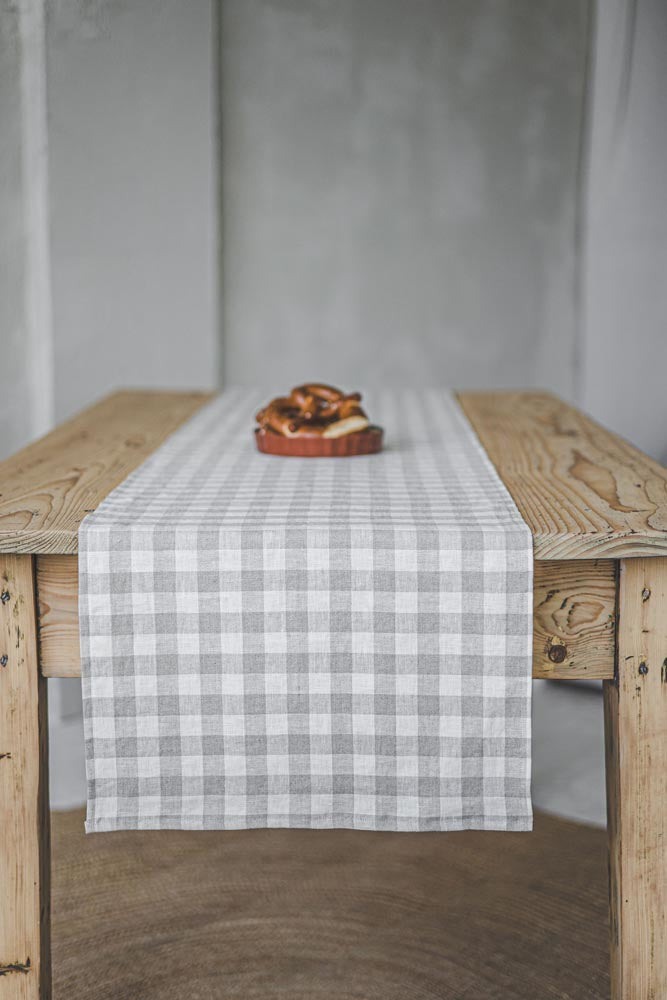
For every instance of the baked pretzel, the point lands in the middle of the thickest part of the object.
(314, 410)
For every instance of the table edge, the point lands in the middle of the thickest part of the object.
(547, 546)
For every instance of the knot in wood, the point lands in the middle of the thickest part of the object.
(557, 653)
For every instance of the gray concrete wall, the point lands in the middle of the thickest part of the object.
(15, 418)
(625, 273)
(25, 300)
(132, 95)
(400, 190)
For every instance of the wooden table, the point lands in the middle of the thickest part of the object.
(597, 508)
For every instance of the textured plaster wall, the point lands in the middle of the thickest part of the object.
(625, 267)
(132, 95)
(15, 410)
(400, 190)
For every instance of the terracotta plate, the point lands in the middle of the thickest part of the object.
(365, 442)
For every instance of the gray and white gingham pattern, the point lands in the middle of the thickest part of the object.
(309, 642)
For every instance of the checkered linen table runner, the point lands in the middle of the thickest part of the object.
(292, 642)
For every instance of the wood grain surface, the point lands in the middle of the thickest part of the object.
(573, 622)
(584, 492)
(25, 972)
(636, 741)
(48, 488)
(574, 619)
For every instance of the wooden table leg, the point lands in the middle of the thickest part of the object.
(636, 738)
(25, 966)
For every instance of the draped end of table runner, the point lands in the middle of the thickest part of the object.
(522, 823)
(273, 642)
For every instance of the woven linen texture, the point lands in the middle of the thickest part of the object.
(291, 642)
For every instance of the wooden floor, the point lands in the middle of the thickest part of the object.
(309, 915)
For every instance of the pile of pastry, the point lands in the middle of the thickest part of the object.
(313, 410)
